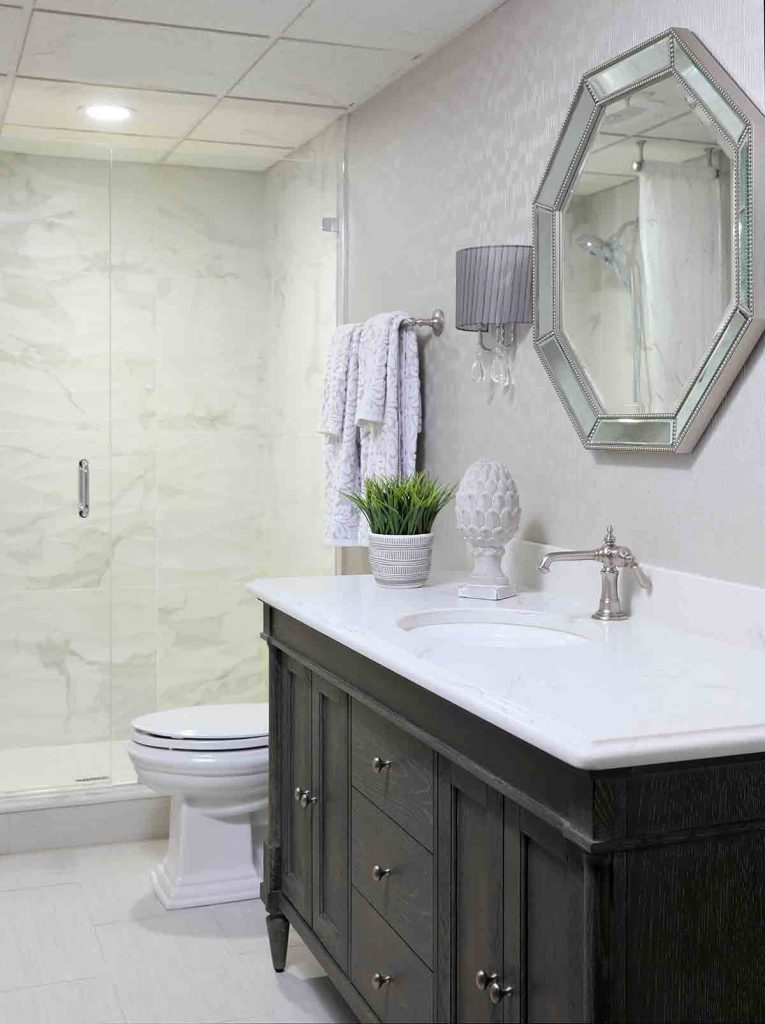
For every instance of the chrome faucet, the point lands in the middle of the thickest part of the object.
(612, 558)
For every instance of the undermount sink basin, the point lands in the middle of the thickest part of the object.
(435, 633)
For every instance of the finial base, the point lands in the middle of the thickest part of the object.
(487, 591)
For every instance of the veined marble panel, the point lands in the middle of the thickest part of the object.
(45, 544)
(208, 647)
(55, 679)
(293, 540)
(135, 343)
(214, 351)
(215, 497)
(134, 510)
(185, 220)
(134, 655)
(303, 276)
(54, 293)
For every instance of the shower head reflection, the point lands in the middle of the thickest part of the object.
(597, 247)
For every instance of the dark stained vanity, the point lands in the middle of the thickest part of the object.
(441, 869)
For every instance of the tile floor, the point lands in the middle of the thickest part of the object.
(83, 940)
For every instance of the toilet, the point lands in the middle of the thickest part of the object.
(212, 761)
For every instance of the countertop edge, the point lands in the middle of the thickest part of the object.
(585, 756)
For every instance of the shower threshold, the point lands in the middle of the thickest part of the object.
(29, 770)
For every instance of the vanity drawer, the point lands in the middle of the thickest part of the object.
(376, 950)
(405, 896)
(394, 770)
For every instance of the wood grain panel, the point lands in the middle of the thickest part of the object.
(296, 771)
(405, 897)
(696, 931)
(376, 948)
(330, 817)
(405, 790)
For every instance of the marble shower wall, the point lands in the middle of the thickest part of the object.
(219, 307)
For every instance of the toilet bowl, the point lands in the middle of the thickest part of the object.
(212, 761)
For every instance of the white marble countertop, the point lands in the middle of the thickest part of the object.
(635, 692)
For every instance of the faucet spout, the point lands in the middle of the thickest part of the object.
(566, 556)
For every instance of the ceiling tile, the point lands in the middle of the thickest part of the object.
(87, 145)
(11, 26)
(393, 25)
(61, 105)
(320, 73)
(226, 155)
(263, 123)
(78, 49)
(264, 17)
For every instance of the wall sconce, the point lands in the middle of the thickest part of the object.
(494, 289)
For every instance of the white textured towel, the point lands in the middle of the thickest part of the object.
(371, 414)
(342, 465)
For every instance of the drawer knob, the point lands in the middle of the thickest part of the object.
(483, 979)
(303, 797)
(497, 992)
(379, 765)
(379, 873)
(378, 980)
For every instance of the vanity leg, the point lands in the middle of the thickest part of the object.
(278, 936)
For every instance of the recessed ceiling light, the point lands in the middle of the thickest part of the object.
(108, 112)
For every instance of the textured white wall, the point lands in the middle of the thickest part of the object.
(450, 155)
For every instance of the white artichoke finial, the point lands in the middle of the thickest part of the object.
(488, 514)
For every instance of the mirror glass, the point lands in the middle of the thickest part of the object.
(645, 234)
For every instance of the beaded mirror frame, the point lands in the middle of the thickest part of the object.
(675, 53)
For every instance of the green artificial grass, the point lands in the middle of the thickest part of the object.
(401, 505)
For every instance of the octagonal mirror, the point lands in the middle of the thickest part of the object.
(644, 291)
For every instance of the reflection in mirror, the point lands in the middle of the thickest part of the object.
(646, 247)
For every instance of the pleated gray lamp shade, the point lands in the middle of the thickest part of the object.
(493, 286)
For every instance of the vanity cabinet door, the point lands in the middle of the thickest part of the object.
(330, 817)
(470, 908)
(545, 903)
(296, 785)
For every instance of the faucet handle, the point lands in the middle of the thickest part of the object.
(632, 563)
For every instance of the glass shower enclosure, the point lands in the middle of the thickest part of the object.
(162, 344)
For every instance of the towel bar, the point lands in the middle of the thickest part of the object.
(434, 322)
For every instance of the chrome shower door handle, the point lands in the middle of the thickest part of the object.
(84, 488)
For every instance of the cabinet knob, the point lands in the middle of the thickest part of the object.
(483, 979)
(378, 980)
(379, 765)
(379, 873)
(303, 797)
(498, 992)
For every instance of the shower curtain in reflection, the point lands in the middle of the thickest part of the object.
(683, 243)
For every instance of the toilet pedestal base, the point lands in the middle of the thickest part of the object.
(209, 860)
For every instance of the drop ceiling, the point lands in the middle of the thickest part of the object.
(220, 83)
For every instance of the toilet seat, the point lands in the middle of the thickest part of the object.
(207, 727)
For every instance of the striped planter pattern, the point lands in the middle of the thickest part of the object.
(400, 561)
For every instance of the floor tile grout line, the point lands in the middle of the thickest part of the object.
(52, 984)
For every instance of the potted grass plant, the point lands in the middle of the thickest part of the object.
(400, 512)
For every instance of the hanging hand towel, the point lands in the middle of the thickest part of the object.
(338, 422)
(389, 412)
(371, 415)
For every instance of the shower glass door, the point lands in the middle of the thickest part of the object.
(55, 411)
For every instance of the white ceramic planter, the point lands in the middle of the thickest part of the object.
(400, 561)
